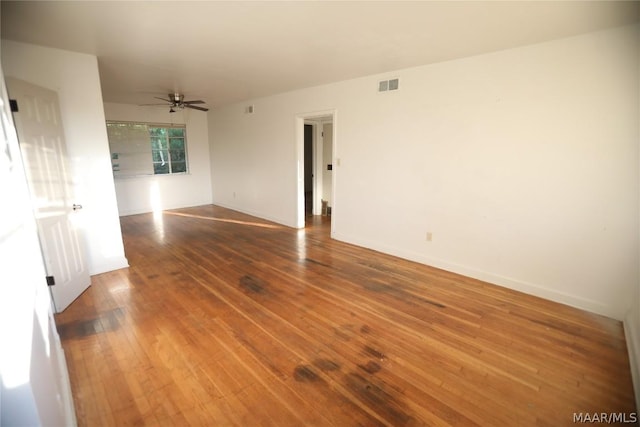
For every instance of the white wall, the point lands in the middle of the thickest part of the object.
(522, 163)
(75, 77)
(632, 334)
(146, 193)
(632, 320)
(253, 160)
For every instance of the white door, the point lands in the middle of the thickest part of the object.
(42, 144)
(34, 379)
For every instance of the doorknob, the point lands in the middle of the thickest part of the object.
(76, 207)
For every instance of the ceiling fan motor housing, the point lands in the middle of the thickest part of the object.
(176, 100)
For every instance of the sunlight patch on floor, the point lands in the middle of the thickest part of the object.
(233, 221)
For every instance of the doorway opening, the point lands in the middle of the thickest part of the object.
(308, 170)
(316, 174)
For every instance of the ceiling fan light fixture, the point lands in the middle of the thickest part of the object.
(176, 101)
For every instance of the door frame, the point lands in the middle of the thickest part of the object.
(316, 118)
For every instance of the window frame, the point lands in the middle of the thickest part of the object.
(165, 147)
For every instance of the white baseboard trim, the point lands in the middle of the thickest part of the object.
(222, 205)
(257, 214)
(507, 282)
(149, 209)
(109, 264)
(632, 335)
(67, 396)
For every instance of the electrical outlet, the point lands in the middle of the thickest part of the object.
(429, 236)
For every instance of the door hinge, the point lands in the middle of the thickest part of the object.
(322, 134)
(51, 281)
(13, 104)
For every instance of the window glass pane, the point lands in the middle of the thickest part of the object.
(158, 131)
(158, 143)
(144, 149)
(176, 143)
(130, 149)
(179, 132)
(177, 167)
(160, 168)
(177, 155)
(160, 156)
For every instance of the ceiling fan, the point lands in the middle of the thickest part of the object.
(176, 101)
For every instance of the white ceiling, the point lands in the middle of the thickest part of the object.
(225, 52)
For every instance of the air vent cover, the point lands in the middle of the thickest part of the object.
(388, 85)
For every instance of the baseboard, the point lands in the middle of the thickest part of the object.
(496, 279)
(257, 214)
(632, 334)
(67, 396)
(109, 264)
(148, 209)
(134, 212)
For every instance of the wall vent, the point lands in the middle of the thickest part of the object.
(388, 85)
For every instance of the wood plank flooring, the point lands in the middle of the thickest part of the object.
(228, 320)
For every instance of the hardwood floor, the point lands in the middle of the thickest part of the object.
(225, 319)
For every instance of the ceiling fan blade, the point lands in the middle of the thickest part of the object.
(146, 105)
(165, 100)
(194, 102)
(195, 108)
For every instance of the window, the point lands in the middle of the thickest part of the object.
(147, 149)
(167, 149)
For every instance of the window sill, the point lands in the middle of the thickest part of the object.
(127, 177)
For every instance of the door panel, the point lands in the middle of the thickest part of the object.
(43, 148)
(35, 385)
